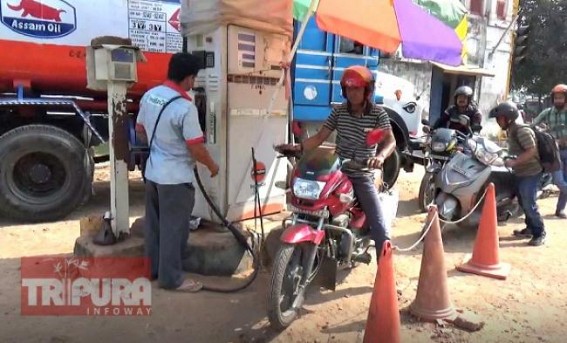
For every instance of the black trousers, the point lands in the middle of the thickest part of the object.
(168, 210)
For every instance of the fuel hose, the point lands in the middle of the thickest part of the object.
(239, 237)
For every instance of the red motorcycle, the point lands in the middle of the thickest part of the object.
(327, 230)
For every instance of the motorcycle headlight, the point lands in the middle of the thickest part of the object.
(438, 146)
(307, 189)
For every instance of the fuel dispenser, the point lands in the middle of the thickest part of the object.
(238, 107)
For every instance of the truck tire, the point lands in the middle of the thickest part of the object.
(392, 166)
(42, 173)
(89, 172)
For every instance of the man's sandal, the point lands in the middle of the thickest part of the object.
(190, 286)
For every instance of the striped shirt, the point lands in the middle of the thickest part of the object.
(520, 139)
(352, 131)
(556, 121)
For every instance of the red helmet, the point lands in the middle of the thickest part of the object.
(560, 88)
(357, 76)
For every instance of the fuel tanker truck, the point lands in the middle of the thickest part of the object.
(49, 120)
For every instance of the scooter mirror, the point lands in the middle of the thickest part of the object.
(375, 136)
(425, 122)
(426, 129)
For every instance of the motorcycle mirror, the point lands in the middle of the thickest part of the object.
(425, 122)
(426, 129)
(375, 136)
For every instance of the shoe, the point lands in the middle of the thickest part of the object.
(537, 241)
(561, 214)
(524, 233)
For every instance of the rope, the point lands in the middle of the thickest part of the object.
(421, 238)
(430, 224)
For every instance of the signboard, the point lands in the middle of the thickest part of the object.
(153, 25)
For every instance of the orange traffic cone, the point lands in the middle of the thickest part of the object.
(485, 259)
(432, 299)
(383, 323)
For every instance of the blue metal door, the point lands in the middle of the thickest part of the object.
(348, 53)
(312, 74)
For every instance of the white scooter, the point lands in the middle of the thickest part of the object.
(463, 180)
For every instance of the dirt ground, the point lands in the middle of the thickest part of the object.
(530, 306)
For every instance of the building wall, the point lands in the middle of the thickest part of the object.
(497, 59)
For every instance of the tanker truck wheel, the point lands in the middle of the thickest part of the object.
(42, 173)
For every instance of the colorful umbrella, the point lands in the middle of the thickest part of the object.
(451, 12)
(385, 24)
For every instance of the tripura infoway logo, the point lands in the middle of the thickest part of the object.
(39, 18)
(99, 286)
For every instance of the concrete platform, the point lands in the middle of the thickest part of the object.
(212, 249)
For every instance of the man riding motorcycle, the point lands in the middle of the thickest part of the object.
(463, 105)
(353, 120)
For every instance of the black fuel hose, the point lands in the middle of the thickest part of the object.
(239, 237)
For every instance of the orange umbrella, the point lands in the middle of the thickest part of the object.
(375, 21)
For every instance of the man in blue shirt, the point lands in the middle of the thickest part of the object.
(170, 194)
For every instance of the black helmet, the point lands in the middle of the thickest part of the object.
(507, 109)
(464, 90)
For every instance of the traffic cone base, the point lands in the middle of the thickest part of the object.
(497, 271)
(448, 313)
(485, 259)
(432, 299)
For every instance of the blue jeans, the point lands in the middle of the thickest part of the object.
(560, 180)
(367, 195)
(527, 194)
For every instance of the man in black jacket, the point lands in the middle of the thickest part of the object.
(463, 105)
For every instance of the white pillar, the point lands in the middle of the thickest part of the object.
(119, 200)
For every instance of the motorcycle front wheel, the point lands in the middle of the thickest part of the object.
(288, 273)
